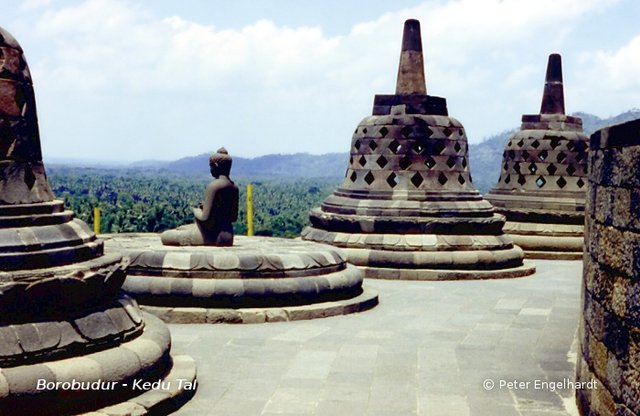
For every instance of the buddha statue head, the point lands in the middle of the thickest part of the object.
(220, 163)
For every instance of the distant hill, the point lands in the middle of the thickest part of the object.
(297, 165)
(485, 158)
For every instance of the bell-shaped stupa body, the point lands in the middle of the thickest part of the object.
(63, 318)
(542, 184)
(407, 208)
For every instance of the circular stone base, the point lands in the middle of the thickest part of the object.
(549, 247)
(145, 358)
(184, 315)
(258, 279)
(526, 269)
(428, 256)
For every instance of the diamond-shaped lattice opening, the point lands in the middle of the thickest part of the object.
(516, 167)
(464, 162)
(353, 177)
(521, 179)
(351, 160)
(571, 170)
(461, 179)
(405, 162)
(369, 178)
(540, 181)
(561, 182)
(439, 147)
(535, 144)
(507, 179)
(394, 146)
(364, 130)
(355, 131)
(384, 131)
(427, 132)
(552, 169)
(461, 132)
(505, 166)
(417, 180)
(406, 131)
(362, 161)
(447, 132)
(509, 143)
(430, 162)
(382, 161)
(373, 145)
(561, 156)
(570, 145)
(543, 155)
(533, 168)
(457, 147)
(525, 156)
(392, 180)
(580, 183)
(357, 144)
(417, 147)
(451, 161)
(580, 156)
(512, 154)
(555, 142)
(442, 178)
(520, 143)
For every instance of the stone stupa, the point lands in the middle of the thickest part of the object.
(541, 189)
(202, 273)
(70, 340)
(407, 208)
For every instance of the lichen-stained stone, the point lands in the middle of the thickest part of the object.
(407, 208)
(610, 326)
(62, 315)
(541, 189)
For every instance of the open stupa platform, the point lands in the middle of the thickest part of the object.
(258, 279)
(407, 208)
(70, 340)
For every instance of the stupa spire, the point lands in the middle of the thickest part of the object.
(553, 96)
(411, 68)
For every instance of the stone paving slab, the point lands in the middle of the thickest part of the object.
(426, 349)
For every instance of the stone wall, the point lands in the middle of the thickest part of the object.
(610, 329)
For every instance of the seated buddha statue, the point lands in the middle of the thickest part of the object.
(215, 216)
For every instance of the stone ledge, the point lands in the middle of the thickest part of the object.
(526, 269)
(367, 300)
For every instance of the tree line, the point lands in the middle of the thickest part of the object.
(154, 201)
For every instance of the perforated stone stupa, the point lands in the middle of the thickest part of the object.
(63, 318)
(407, 208)
(541, 189)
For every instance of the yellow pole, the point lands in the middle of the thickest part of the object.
(249, 210)
(96, 220)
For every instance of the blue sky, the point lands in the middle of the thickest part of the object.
(120, 80)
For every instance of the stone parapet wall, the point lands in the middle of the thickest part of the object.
(610, 328)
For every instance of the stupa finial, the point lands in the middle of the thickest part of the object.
(411, 68)
(553, 96)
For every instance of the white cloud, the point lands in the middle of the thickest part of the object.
(487, 57)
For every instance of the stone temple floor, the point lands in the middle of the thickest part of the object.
(426, 349)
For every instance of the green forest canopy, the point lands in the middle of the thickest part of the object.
(145, 201)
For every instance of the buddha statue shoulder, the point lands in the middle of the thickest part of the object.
(215, 216)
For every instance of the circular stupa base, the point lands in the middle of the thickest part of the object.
(112, 378)
(187, 315)
(526, 269)
(547, 241)
(428, 256)
(258, 279)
